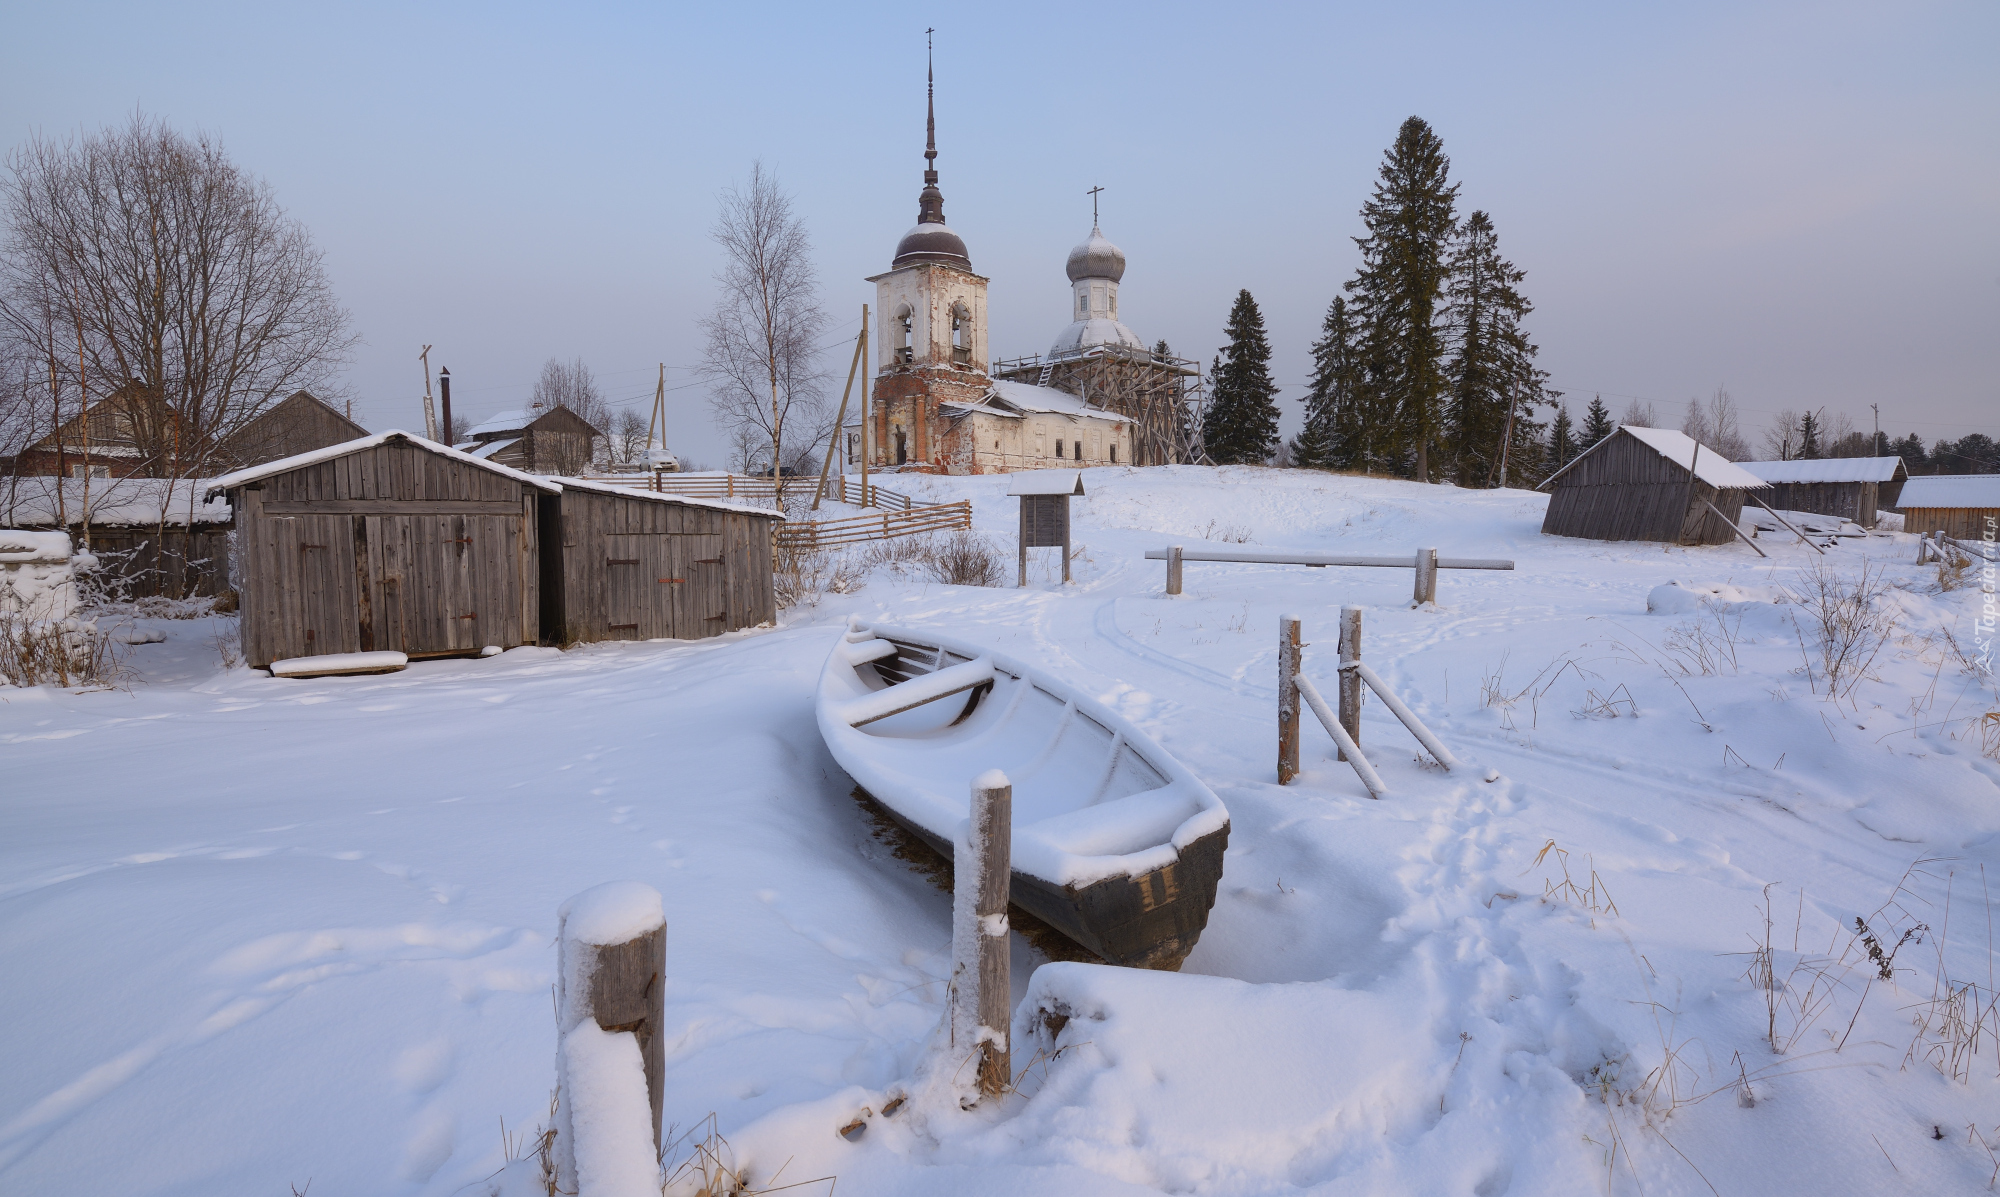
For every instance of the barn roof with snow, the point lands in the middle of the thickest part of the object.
(1829, 469)
(1636, 484)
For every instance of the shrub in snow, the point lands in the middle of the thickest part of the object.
(38, 575)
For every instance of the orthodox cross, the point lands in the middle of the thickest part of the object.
(1092, 193)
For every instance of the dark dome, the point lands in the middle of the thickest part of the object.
(1096, 258)
(931, 243)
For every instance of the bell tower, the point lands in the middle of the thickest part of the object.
(930, 334)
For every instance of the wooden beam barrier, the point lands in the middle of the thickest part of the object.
(1425, 562)
(1350, 681)
(1288, 698)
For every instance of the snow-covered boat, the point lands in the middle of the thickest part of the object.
(1116, 845)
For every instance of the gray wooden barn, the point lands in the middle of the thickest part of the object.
(1852, 488)
(1964, 506)
(639, 565)
(1635, 485)
(396, 542)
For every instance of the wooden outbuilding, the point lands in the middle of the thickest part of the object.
(1965, 506)
(152, 535)
(1851, 488)
(1636, 485)
(642, 565)
(554, 441)
(394, 542)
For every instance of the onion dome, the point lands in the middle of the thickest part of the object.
(1096, 258)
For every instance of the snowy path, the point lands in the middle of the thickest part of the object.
(260, 931)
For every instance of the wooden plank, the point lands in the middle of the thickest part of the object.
(397, 507)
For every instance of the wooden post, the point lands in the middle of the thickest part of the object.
(1174, 570)
(1065, 538)
(1288, 698)
(833, 443)
(1427, 577)
(981, 990)
(1687, 501)
(1350, 679)
(1024, 541)
(611, 969)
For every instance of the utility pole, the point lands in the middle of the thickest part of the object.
(1875, 449)
(867, 369)
(444, 399)
(430, 413)
(840, 419)
(659, 420)
(1507, 437)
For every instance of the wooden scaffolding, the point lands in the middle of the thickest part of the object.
(1162, 394)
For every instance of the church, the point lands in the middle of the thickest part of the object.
(942, 406)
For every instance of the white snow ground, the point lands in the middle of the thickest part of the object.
(259, 933)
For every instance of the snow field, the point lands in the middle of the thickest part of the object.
(262, 931)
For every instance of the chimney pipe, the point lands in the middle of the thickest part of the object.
(444, 393)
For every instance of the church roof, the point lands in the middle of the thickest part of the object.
(931, 242)
(1083, 334)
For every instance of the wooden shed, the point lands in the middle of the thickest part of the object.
(385, 542)
(155, 536)
(640, 565)
(1852, 488)
(1635, 485)
(1965, 506)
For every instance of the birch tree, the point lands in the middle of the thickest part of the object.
(762, 357)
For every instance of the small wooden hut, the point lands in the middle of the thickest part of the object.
(1851, 488)
(641, 565)
(1965, 506)
(152, 535)
(1636, 485)
(385, 542)
(397, 542)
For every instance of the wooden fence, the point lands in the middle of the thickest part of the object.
(804, 536)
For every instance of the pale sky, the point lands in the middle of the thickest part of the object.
(1796, 202)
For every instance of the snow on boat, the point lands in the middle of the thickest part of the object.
(1116, 844)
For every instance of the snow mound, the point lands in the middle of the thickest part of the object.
(1683, 598)
(615, 912)
(330, 664)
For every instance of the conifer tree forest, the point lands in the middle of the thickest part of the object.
(1421, 368)
(1241, 424)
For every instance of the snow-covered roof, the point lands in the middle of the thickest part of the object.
(1082, 334)
(503, 421)
(1951, 490)
(489, 448)
(984, 409)
(1678, 447)
(20, 548)
(1029, 397)
(32, 501)
(1828, 469)
(635, 492)
(329, 452)
(1045, 482)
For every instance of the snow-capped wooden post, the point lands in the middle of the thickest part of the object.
(1350, 679)
(1174, 569)
(1427, 577)
(610, 981)
(1288, 698)
(981, 988)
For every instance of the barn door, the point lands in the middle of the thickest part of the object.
(443, 583)
(640, 584)
(312, 560)
(701, 600)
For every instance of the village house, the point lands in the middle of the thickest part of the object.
(124, 436)
(552, 441)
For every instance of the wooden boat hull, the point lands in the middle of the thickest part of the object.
(1117, 846)
(1149, 921)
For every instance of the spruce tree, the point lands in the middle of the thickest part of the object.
(1241, 426)
(1809, 446)
(1330, 439)
(1410, 221)
(1488, 372)
(1597, 423)
(1562, 440)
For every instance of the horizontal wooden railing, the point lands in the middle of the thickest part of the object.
(840, 490)
(802, 535)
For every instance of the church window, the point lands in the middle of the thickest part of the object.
(1058, 447)
(1114, 453)
(1083, 305)
(961, 334)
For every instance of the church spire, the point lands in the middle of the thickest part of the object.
(930, 204)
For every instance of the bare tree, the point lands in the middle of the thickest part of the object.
(1714, 424)
(1639, 414)
(571, 384)
(628, 437)
(762, 360)
(187, 294)
(1781, 439)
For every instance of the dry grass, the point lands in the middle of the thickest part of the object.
(964, 558)
(801, 577)
(1848, 625)
(706, 1166)
(1592, 896)
(57, 653)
